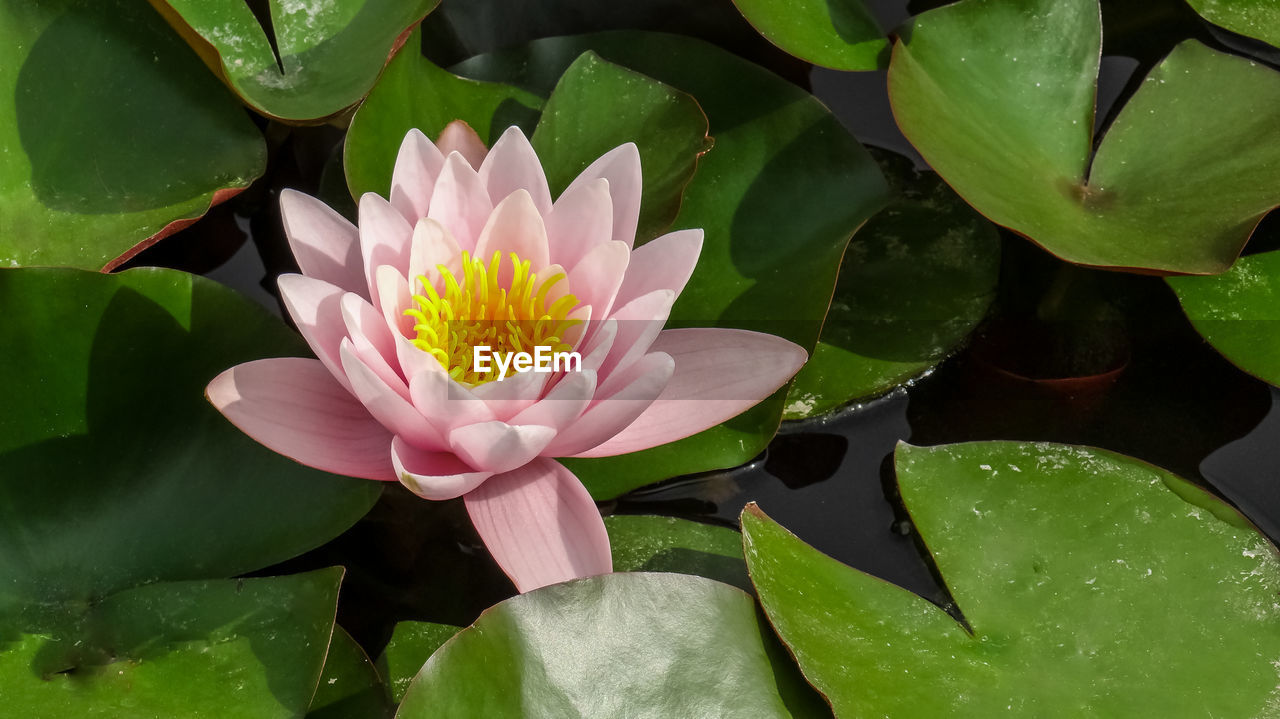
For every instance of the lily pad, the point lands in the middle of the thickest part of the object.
(112, 135)
(914, 282)
(414, 93)
(597, 106)
(1258, 19)
(116, 471)
(999, 99)
(648, 645)
(839, 34)
(411, 645)
(323, 56)
(349, 686)
(1091, 584)
(1238, 312)
(669, 544)
(782, 167)
(224, 648)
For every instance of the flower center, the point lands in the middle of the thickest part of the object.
(476, 312)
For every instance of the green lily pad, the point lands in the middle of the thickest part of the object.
(349, 686)
(323, 58)
(647, 645)
(914, 282)
(1091, 584)
(597, 106)
(668, 544)
(1258, 19)
(999, 99)
(782, 166)
(226, 648)
(839, 34)
(411, 645)
(111, 133)
(116, 470)
(1238, 312)
(414, 93)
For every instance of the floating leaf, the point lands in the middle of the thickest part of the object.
(411, 645)
(597, 106)
(112, 135)
(323, 57)
(224, 648)
(839, 34)
(1258, 19)
(660, 645)
(349, 685)
(1238, 312)
(999, 99)
(668, 544)
(114, 470)
(914, 282)
(1091, 584)
(782, 167)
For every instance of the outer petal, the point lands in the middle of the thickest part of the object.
(541, 525)
(596, 279)
(458, 137)
(621, 167)
(418, 165)
(386, 405)
(460, 201)
(581, 219)
(639, 323)
(294, 406)
(663, 263)
(515, 226)
(373, 341)
(385, 238)
(498, 446)
(316, 308)
(719, 374)
(641, 385)
(433, 475)
(325, 244)
(513, 165)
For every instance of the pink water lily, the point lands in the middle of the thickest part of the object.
(471, 249)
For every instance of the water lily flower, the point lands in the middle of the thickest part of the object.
(471, 250)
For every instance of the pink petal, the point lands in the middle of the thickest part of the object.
(460, 201)
(515, 226)
(325, 244)
(388, 407)
(432, 247)
(414, 177)
(513, 165)
(393, 298)
(720, 373)
(295, 407)
(513, 393)
(385, 237)
(643, 383)
(563, 404)
(497, 446)
(581, 219)
(316, 308)
(596, 279)
(444, 402)
(639, 322)
(621, 167)
(372, 341)
(663, 263)
(541, 525)
(433, 475)
(458, 137)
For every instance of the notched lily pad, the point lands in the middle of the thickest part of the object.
(323, 55)
(670, 544)
(1091, 584)
(411, 645)
(1258, 19)
(999, 99)
(112, 135)
(914, 282)
(839, 34)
